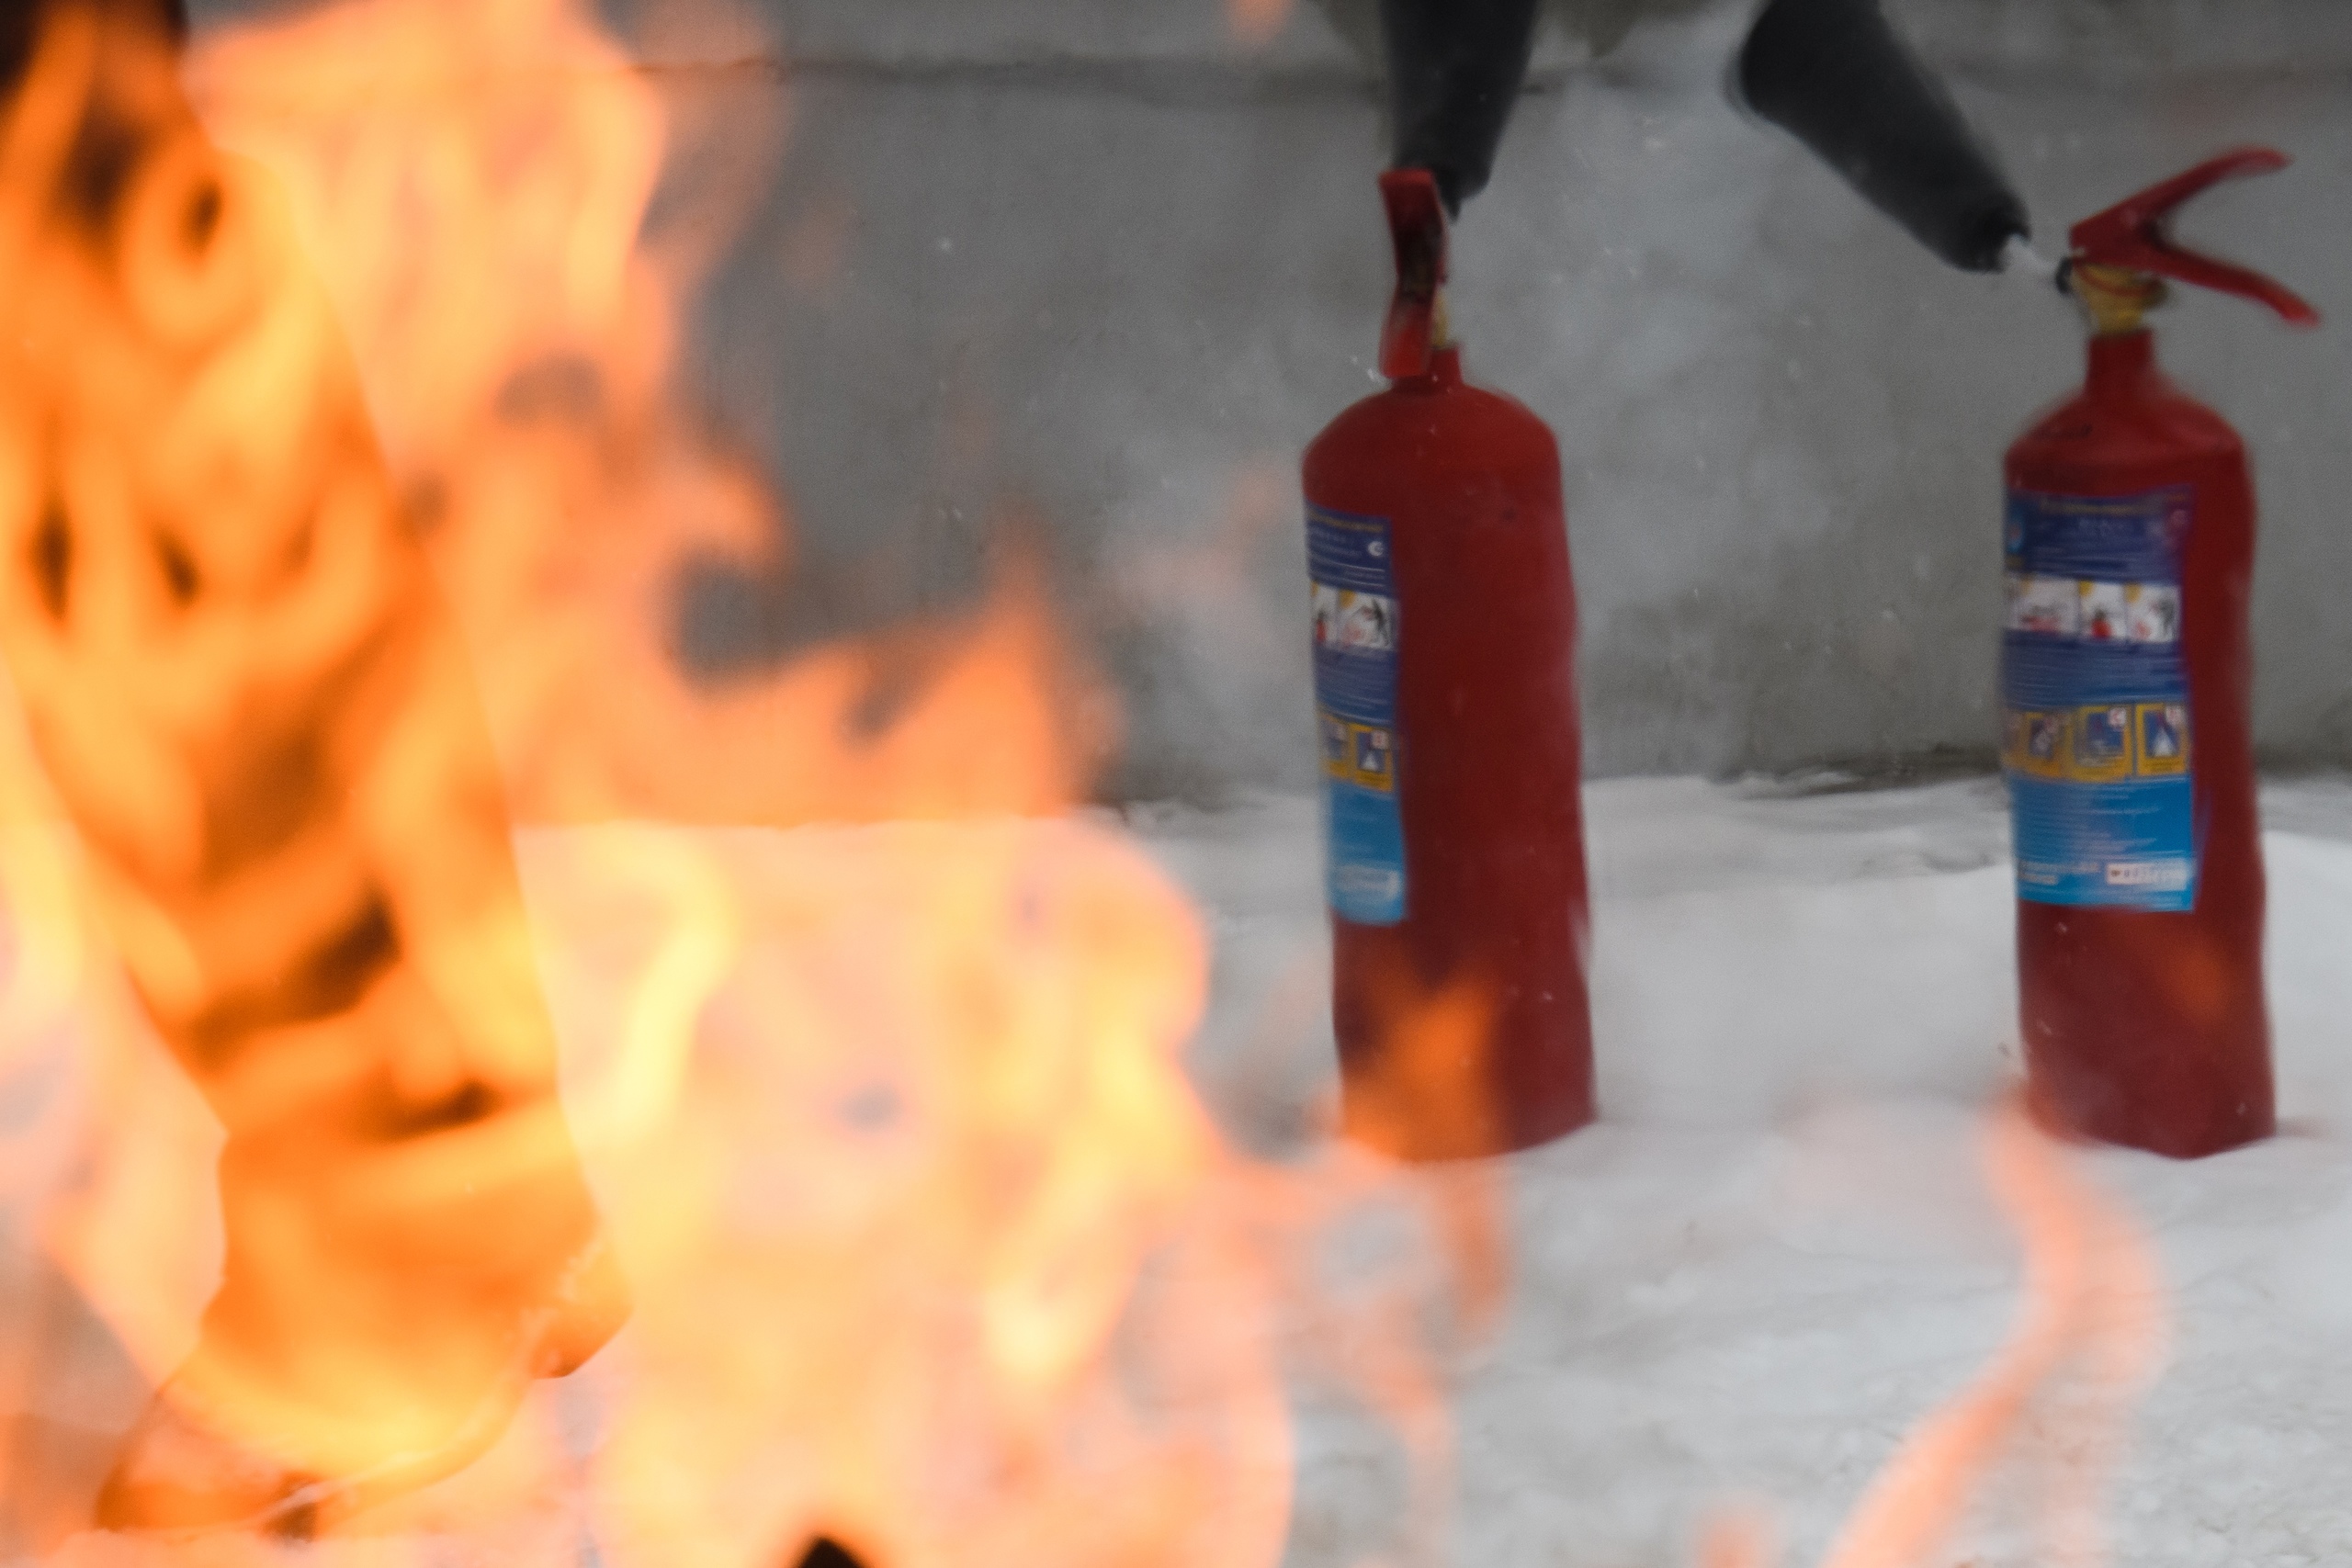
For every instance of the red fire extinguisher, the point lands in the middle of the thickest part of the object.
(1445, 689)
(2127, 741)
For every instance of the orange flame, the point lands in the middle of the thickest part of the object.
(482, 228)
(1007, 1296)
(1256, 23)
(932, 1243)
(237, 676)
(2093, 1308)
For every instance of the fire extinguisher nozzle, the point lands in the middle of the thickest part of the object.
(1415, 328)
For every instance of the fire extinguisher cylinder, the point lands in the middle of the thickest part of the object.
(1444, 621)
(2127, 683)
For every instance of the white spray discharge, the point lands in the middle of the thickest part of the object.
(2019, 259)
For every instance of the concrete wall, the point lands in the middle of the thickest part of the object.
(1093, 272)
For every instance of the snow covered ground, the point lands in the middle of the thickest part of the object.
(1775, 1254)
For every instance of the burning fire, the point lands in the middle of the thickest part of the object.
(1256, 23)
(482, 230)
(999, 1253)
(346, 483)
(2093, 1310)
(238, 677)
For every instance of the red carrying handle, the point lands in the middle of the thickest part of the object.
(1417, 228)
(2132, 234)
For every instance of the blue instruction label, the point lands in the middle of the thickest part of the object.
(1355, 706)
(2095, 725)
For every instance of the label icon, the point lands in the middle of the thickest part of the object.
(1353, 601)
(2095, 732)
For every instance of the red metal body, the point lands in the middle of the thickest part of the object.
(2144, 1027)
(2150, 1028)
(1486, 756)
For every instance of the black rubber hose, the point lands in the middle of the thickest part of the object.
(1834, 74)
(1454, 70)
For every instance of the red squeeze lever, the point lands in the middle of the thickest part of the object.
(2131, 235)
(1445, 652)
(2128, 736)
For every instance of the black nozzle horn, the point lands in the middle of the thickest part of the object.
(1834, 74)
(1454, 70)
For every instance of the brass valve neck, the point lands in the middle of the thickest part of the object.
(2117, 298)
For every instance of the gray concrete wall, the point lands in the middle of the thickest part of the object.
(1090, 272)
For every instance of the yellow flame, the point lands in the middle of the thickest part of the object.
(932, 1239)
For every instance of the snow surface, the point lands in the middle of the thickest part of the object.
(1777, 1252)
